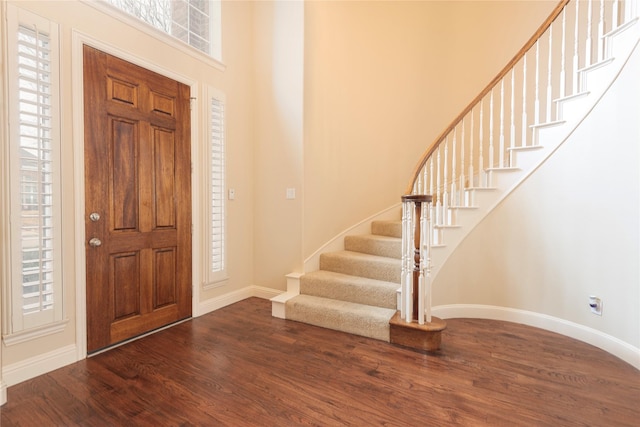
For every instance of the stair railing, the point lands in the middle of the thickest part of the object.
(502, 120)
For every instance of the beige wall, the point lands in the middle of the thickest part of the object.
(382, 79)
(235, 82)
(334, 99)
(278, 31)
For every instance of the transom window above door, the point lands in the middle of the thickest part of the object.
(194, 22)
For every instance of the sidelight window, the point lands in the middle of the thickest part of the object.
(216, 221)
(34, 172)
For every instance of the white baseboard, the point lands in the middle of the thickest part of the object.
(608, 343)
(30, 368)
(232, 297)
(3, 393)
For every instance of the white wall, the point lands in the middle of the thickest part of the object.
(569, 231)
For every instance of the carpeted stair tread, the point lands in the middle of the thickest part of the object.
(361, 290)
(387, 228)
(375, 245)
(363, 265)
(358, 319)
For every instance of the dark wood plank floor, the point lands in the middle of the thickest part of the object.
(238, 366)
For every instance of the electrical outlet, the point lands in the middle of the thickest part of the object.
(595, 304)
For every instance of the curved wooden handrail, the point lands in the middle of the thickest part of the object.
(528, 45)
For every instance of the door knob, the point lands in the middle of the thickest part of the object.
(94, 216)
(95, 242)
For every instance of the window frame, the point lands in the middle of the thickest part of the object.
(19, 326)
(214, 277)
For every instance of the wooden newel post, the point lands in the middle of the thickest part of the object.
(413, 326)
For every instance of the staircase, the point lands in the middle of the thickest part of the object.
(355, 290)
(501, 138)
(488, 150)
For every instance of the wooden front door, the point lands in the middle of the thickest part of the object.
(138, 199)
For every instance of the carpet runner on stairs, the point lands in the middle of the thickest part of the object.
(355, 290)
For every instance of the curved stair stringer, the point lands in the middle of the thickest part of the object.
(596, 79)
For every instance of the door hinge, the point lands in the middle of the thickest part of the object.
(191, 101)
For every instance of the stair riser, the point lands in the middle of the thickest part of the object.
(352, 292)
(388, 272)
(353, 322)
(387, 228)
(527, 159)
(367, 245)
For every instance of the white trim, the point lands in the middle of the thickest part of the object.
(608, 343)
(34, 333)
(17, 19)
(3, 392)
(78, 40)
(30, 368)
(232, 297)
(211, 279)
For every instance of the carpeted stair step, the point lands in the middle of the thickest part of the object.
(361, 290)
(363, 265)
(387, 228)
(358, 319)
(375, 245)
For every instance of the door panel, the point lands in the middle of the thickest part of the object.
(138, 180)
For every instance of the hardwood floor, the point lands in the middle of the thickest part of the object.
(238, 366)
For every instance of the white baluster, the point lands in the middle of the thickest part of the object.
(424, 303)
(490, 135)
(432, 214)
(576, 51)
(421, 277)
(480, 155)
(408, 291)
(512, 106)
(461, 181)
(445, 193)
(615, 15)
(589, 48)
(431, 175)
(439, 198)
(525, 124)
(536, 107)
(601, 27)
(429, 243)
(501, 140)
(405, 255)
(630, 10)
(471, 150)
(454, 181)
(563, 77)
(549, 79)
